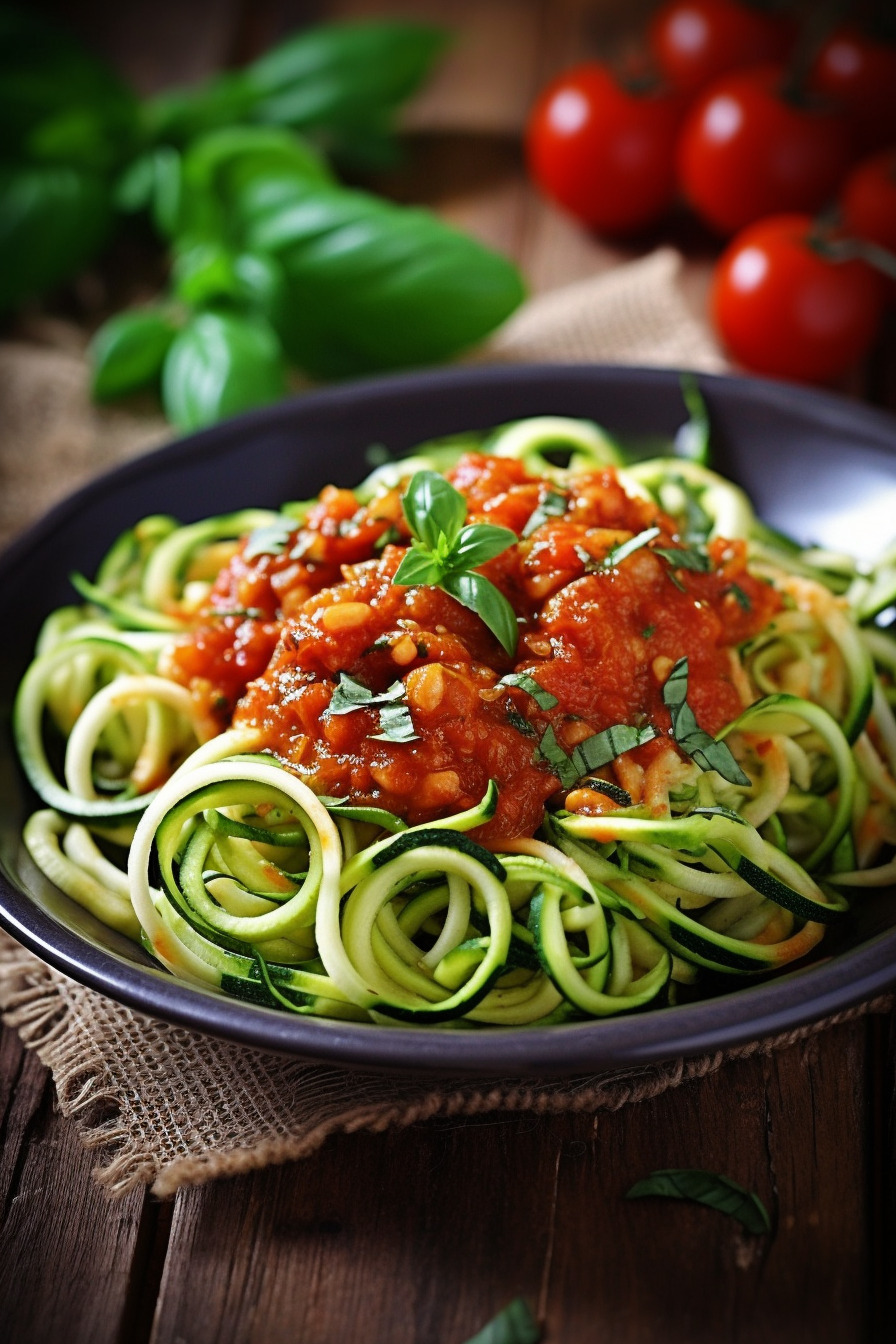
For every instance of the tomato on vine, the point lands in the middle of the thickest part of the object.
(786, 305)
(603, 151)
(749, 149)
(695, 41)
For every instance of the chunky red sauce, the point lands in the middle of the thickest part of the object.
(280, 628)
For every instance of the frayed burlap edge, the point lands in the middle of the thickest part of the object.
(37, 1001)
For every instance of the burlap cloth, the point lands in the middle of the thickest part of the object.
(169, 1107)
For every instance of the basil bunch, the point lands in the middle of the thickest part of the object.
(273, 261)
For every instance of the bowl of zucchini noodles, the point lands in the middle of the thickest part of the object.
(510, 721)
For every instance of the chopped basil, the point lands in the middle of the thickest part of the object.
(396, 724)
(686, 557)
(648, 631)
(516, 720)
(595, 751)
(694, 742)
(707, 1187)
(270, 539)
(553, 505)
(543, 699)
(742, 598)
(616, 554)
(247, 613)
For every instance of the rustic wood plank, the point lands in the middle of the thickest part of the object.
(648, 1270)
(156, 45)
(66, 1253)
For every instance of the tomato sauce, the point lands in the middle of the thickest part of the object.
(279, 629)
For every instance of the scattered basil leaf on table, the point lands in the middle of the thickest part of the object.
(693, 740)
(129, 350)
(706, 1187)
(514, 1325)
(444, 551)
(221, 364)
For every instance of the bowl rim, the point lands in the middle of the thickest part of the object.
(791, 1002)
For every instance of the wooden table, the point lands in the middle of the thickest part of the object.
(418, 1237)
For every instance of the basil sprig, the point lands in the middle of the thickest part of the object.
(706, 1187)
(445, 551)
(396, 724)
(694, 742)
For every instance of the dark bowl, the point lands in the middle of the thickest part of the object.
(817, 466)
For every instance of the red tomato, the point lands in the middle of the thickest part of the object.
(785, 309)
(868, 204)
(605, 154)
(695, 41)
(859, 76)
(746, 151)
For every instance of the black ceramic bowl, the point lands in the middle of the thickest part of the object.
(819, 467)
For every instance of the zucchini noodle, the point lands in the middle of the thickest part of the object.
(427, 829)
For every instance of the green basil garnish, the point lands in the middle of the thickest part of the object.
(444, 552)
(553, 505)
(270, 539)
(396, 724)
(543, 699)
(694, 742)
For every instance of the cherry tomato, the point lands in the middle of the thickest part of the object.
(868, 204)
(695, 41)
(784, 308)
(746, 151)
(607, 155)
(859, 76)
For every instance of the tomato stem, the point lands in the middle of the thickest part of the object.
(851, 249)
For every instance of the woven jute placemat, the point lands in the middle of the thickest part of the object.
(168, 1107)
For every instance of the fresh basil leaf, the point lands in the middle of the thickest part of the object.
(271, 539)
(229, 175)
(693, 438)
(693, 740)
(218, 365)
(352, 694)
(128, 351)
(53, 222)
(479, 594)
(605, 746)
(344, 82)
(434, 509)
(544, 699)
(479, 542)
(373, 285)
(697, 522)
(514, 1325)
(555, 757)
(707, 1187)
(396, 725)
(153, 182)
(553, 505)
(685, 557)
(616, 554)
(418, 566)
